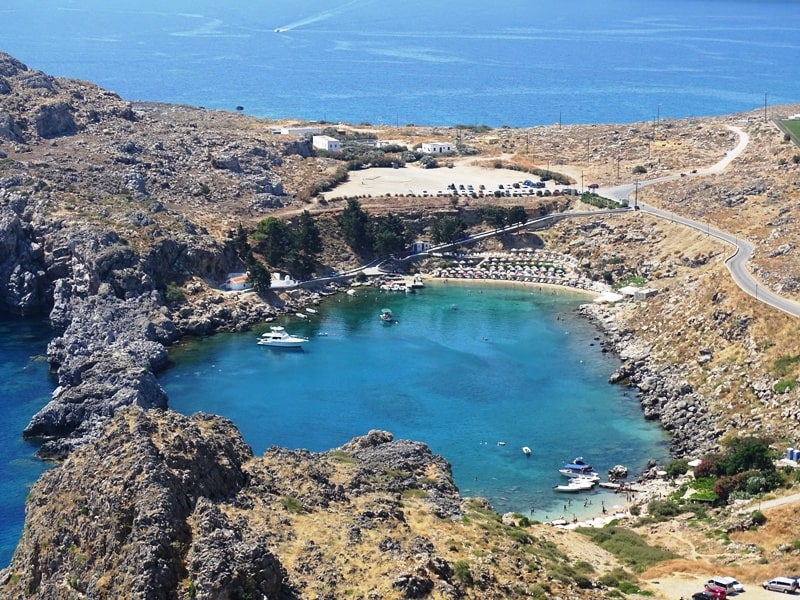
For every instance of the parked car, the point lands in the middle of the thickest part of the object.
(716, 592)
(729, 584)
(704, 595)
(781, 584)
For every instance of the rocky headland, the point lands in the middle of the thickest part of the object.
(118, 220)
(164, 506)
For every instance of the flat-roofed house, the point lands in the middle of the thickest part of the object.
(301, 130)
(436, 147)
(326, 142)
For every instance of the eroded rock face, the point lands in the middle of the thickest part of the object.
(53, 120)
(165, 506)
(135, 515)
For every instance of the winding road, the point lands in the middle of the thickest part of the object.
(743, 250)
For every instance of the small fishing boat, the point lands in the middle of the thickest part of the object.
(387, 316)
(526, 451)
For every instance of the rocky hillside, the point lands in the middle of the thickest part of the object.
(103, 206)
(165, 507)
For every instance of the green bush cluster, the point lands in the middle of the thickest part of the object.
(599, 201)
(628, 546)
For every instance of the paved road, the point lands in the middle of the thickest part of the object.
(743, 250)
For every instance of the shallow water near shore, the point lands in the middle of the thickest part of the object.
(475, 372)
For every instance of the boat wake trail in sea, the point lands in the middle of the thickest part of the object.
(324, 15)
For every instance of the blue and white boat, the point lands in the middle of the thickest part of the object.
(577, 468)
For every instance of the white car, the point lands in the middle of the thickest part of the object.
(781, 584)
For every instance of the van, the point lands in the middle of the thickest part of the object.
(729, 584)
(781, 584)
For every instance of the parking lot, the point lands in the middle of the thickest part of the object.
(466, 178)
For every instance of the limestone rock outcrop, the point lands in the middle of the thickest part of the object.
(163, 506)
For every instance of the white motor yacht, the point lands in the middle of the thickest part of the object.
(278, 337)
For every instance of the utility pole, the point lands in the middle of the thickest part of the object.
(658, 116)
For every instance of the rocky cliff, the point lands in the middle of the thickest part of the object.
(103, 206)
(163, 506)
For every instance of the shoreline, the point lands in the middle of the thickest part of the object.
(554, 288)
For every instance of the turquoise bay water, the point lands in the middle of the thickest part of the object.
(25, 386)
(463, 369)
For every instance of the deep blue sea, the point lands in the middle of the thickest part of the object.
(433, 377)
(513, 62)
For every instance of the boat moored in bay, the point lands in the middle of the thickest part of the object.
(577, 467)
(278, 337)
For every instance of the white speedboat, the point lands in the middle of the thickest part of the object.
(387, 316)
(574, 486)
(277, 337)
(526, 451)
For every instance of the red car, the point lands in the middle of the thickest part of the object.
(716, 592)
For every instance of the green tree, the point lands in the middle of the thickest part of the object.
(517, 214)
(274, 240)
(355, 224)
(495, 216)
(307, 236)
(446, 230)
(389, 235)
(746, 454)
(259, 275)
(240, 242)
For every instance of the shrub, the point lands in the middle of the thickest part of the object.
(758, 517)
(627, 546)
(292, 504)
(706, 468)
(462, 572)
(174, 293)
(639, 170)
(663, 509)
(677, 467)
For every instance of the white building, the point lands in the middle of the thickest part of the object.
(301, 130)
(436, 147)
(235, 282)
(326, 142)
(418, 247)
